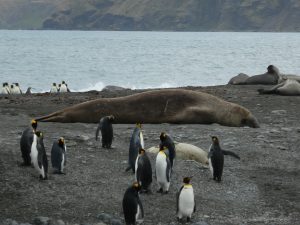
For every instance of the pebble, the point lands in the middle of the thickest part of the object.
(200, 223)
(10, 222)
(104, 217)
(115, 222)
(41, 221)
(282, 147)
(279, 112)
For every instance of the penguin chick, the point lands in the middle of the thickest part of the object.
(105, 125)
(143, 170)
(136, 142)
(216, 158)
(166, 141)
(58, 155)
(163, 170)
(132, 205)
(185, 200)
(38, 155)
(26, 142)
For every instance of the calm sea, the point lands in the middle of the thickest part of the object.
(89, 60)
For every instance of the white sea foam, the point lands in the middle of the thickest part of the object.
(98, 86)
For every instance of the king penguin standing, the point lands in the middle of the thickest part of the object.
(26, 142)
(38, 155)
(163, 170)
(58, 155)
(143, 170)
(185, 200)
(136, 142)
(132, 205)
(216, 158)
(166, 141)
(106, 128)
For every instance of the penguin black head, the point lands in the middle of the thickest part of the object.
(215, 140)
(54, 84)
(111, 118)
(63, 82)
(186, 180)
(162, 148)
(34, 124)
(17, 84)
(142, 151)
(162, 136)
(138, 125)
(59, 85)
(11, 86)
(61, 141)
(4, 84)
(39, 134)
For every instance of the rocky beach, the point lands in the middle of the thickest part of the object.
(262, 188)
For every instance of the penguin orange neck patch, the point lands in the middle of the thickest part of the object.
(188, 186)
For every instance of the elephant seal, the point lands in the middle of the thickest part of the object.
(288, 87)
(239, 79)
(270, 77)
(186, 151)
(158, 106)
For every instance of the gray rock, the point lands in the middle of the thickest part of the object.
(25, 224)
(58, 222)
(116, 222)
(41, 221)
(100, 223)
(113, 88)
(200, 223)
(10, 222)
(104, 217)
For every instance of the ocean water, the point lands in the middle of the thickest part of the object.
(90, 60)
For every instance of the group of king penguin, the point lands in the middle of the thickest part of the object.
(60, 88)
(140, 164)
(34, 153)
(12, 89)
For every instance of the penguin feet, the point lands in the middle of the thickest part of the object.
(160, 190)
(166, 192)
(188, 219)
(43, 178)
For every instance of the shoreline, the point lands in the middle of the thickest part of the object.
(262, 188)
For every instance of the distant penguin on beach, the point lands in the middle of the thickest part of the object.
(18, 89)
(58, 155)
(166, 141)
(136, 142)
(216, 158)
(185, 200)
(5, 89)
(132, 205)
(28, 92)
(143, 170)
(105, 126)
(163, 170)
(38, 155)
(15, 89)
(64, 87)
(54, 88)
(26, 142)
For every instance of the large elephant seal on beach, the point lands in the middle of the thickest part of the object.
(271, 77)
(159, 106)
(287, 87)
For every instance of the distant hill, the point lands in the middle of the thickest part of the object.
(178, 15)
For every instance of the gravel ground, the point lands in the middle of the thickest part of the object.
(262, 188)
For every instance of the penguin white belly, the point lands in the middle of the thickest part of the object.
(53, 90)
(4, 91)
(34, 158)
(63, 88)
(186, 202)
(136, 166)
(161, 172)
(62, 162)
(210, 166)
(142, 140)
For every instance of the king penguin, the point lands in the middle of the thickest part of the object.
(132, 205)
(64, 87)
(105, 125)
(38, 155)
(54, 88)
(166, 141)
(18, 89)
(143, 170)
(58, 155)
(136, 142)
(5, 89)
(185, 200)
(26, 142)
(163, 170)
(216, 158)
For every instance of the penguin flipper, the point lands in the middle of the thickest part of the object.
(194, 206)
(141, 207)
(209, 154)
(168, 170)
(177, 199)
(231, 154)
